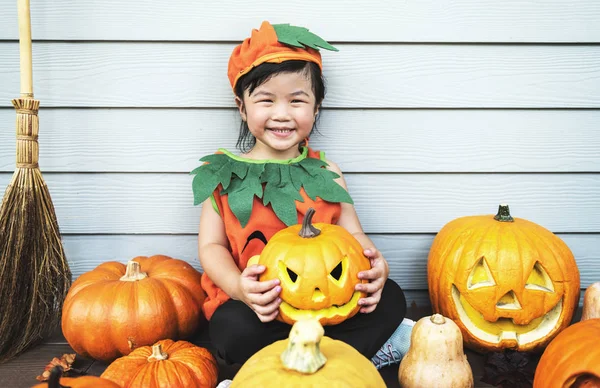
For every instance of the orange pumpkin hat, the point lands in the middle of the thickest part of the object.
(275, 43)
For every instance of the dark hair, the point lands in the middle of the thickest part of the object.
(264, 72)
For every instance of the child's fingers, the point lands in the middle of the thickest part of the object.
(370, 288)
(253, 270)
(370, 300)
(263, 299)
(268, 309)
(371, 253)
(256, 287)
(369, 309)
(269, 317)
(368, 304)
(371, 274)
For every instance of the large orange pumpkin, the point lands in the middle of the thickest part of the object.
(572, 359)
(167, 363)
(114, 308)
(318, 268)
(507, 283)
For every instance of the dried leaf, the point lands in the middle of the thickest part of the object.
(65, 362)
(510, 369)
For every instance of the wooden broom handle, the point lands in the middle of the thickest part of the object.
(25, 48)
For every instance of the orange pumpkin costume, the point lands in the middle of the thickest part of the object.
(247, 236)
(256, 198)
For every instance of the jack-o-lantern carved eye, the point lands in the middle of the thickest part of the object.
(292, 276)
(539, 280)
(480, 276)
(337, 273)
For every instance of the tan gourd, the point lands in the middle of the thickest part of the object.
(591, 302)
(435, 357)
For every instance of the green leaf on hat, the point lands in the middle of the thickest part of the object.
(300, 37)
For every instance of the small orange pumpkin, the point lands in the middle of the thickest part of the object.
(318, 268)
(167, 363)
(506, 282)
(114, 308)
(572, 360)
(56, 381)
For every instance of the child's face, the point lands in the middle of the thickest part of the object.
(280, 113)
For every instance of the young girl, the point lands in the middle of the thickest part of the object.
(276, 76)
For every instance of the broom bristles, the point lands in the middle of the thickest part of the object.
(34, 273)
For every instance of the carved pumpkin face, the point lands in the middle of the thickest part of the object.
(507, 283)
(318, 269)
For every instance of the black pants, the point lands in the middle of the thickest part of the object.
(237, 333)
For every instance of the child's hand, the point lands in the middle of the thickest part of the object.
(377, 277)
(262, 297)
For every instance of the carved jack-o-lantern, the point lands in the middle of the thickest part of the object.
(507, 283)
(318, 268)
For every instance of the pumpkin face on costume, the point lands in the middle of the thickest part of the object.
(318, 268)
(507, 283)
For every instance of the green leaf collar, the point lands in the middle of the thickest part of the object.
(276, 182)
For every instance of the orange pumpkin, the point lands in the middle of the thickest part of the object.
(318, 268)
(507, 283)
(56, 381)
(572, 359)
(165, 364)
(114, 308)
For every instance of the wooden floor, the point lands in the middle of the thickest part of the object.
(21, 371)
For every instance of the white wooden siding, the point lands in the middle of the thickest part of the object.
(134, 74)
(336, 20)
(386, 203)
(391, 140)
(436, 109)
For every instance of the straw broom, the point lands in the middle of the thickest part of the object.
(34, 273)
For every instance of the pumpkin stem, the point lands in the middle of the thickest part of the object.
(438, 319)
(54, 379)
(157, 353)
(503, 214)
(133, 273)
(308, 229)
(303, 353)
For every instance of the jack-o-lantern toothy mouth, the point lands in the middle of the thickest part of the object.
(328, 312)
(504, 329)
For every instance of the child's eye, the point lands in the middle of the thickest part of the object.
(265, 101)
(297, 101)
